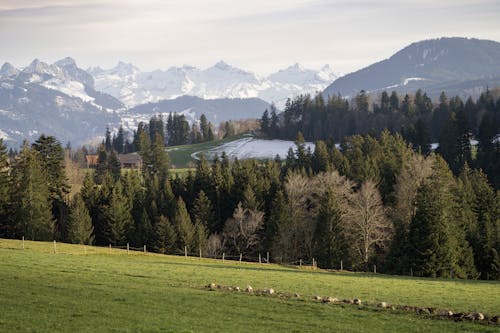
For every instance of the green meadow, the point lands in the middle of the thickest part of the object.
(89, 289)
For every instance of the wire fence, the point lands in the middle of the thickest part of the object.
(260, 258)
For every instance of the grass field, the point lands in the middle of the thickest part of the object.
(94, 289)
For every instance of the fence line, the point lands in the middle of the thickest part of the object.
(234, 259)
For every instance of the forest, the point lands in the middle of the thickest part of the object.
(379, 198)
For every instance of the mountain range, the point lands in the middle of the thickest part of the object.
(132, 86)
(459, 66)
(76, 105)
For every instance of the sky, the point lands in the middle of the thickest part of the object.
(258, 35)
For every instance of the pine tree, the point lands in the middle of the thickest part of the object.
(203, 212)
(80, 229)
(144, 230)
(101, 169)
(330, 241)
(117, 217)
(119, 141)
(166, 236)
(437, 244)
(31, 197)
(184, 228)
(483, 228)
(5, 221)
(204, 127)
(114, 166)
(51, 156)
(320, 158)
(108, 142)
(159, 162)
(265, 122)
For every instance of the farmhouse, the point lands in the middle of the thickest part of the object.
(127, 161)
(130, 161)
(91, 160)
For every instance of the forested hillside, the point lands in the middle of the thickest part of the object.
(450, 122)
(375, 201)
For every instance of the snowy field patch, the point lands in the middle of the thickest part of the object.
(253, 148)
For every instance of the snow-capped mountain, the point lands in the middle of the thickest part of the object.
(459, 66)
(133, 87)
(56, 99)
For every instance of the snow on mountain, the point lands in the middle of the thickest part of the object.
(8, 70)
(55, 99)
(133, 87)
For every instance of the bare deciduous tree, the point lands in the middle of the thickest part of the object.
(366, 221)
(295, 234)
(214, 245)
(241, 231)
(413, 173)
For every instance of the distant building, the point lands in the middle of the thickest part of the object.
(127, 161)
(130, 161)
(92, 160)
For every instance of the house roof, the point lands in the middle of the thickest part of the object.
(132, 158)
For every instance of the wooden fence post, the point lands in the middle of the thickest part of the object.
(55, 250)
(375, 269)
(268, 257)
(260, 259)
(411, 271)
(144, 248)
(200, 252)
(23, 242)
(185, 251)
(223, 256)
(109, 249)
(241, 256)
(128, 248)
(300, 263)
(341, 266)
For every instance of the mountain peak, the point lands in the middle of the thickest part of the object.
(68, 61)
(125, 68)
(222, 65)
(8, 70)
(430, 65)
(40, 67)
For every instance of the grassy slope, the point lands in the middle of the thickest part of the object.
(96, 291)
(180, 156)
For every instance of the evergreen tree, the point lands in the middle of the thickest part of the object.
(203, 212)
(330, 242)
(107, 141)
(51, 156)
(32, 209)
(394, 101)
(320, 157)
(484, 226)
(101, 170)
(184, 227)
(265, 122)
(166, 236)
(437, 246)
(119, 141)
(114, 166)
(159, 161)
(80, 229)
(204, 127)
(117, 217)
(5, 221)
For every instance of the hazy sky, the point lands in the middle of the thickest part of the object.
(259, 35)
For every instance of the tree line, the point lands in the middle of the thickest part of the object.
(373, 201)
(450, 122)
